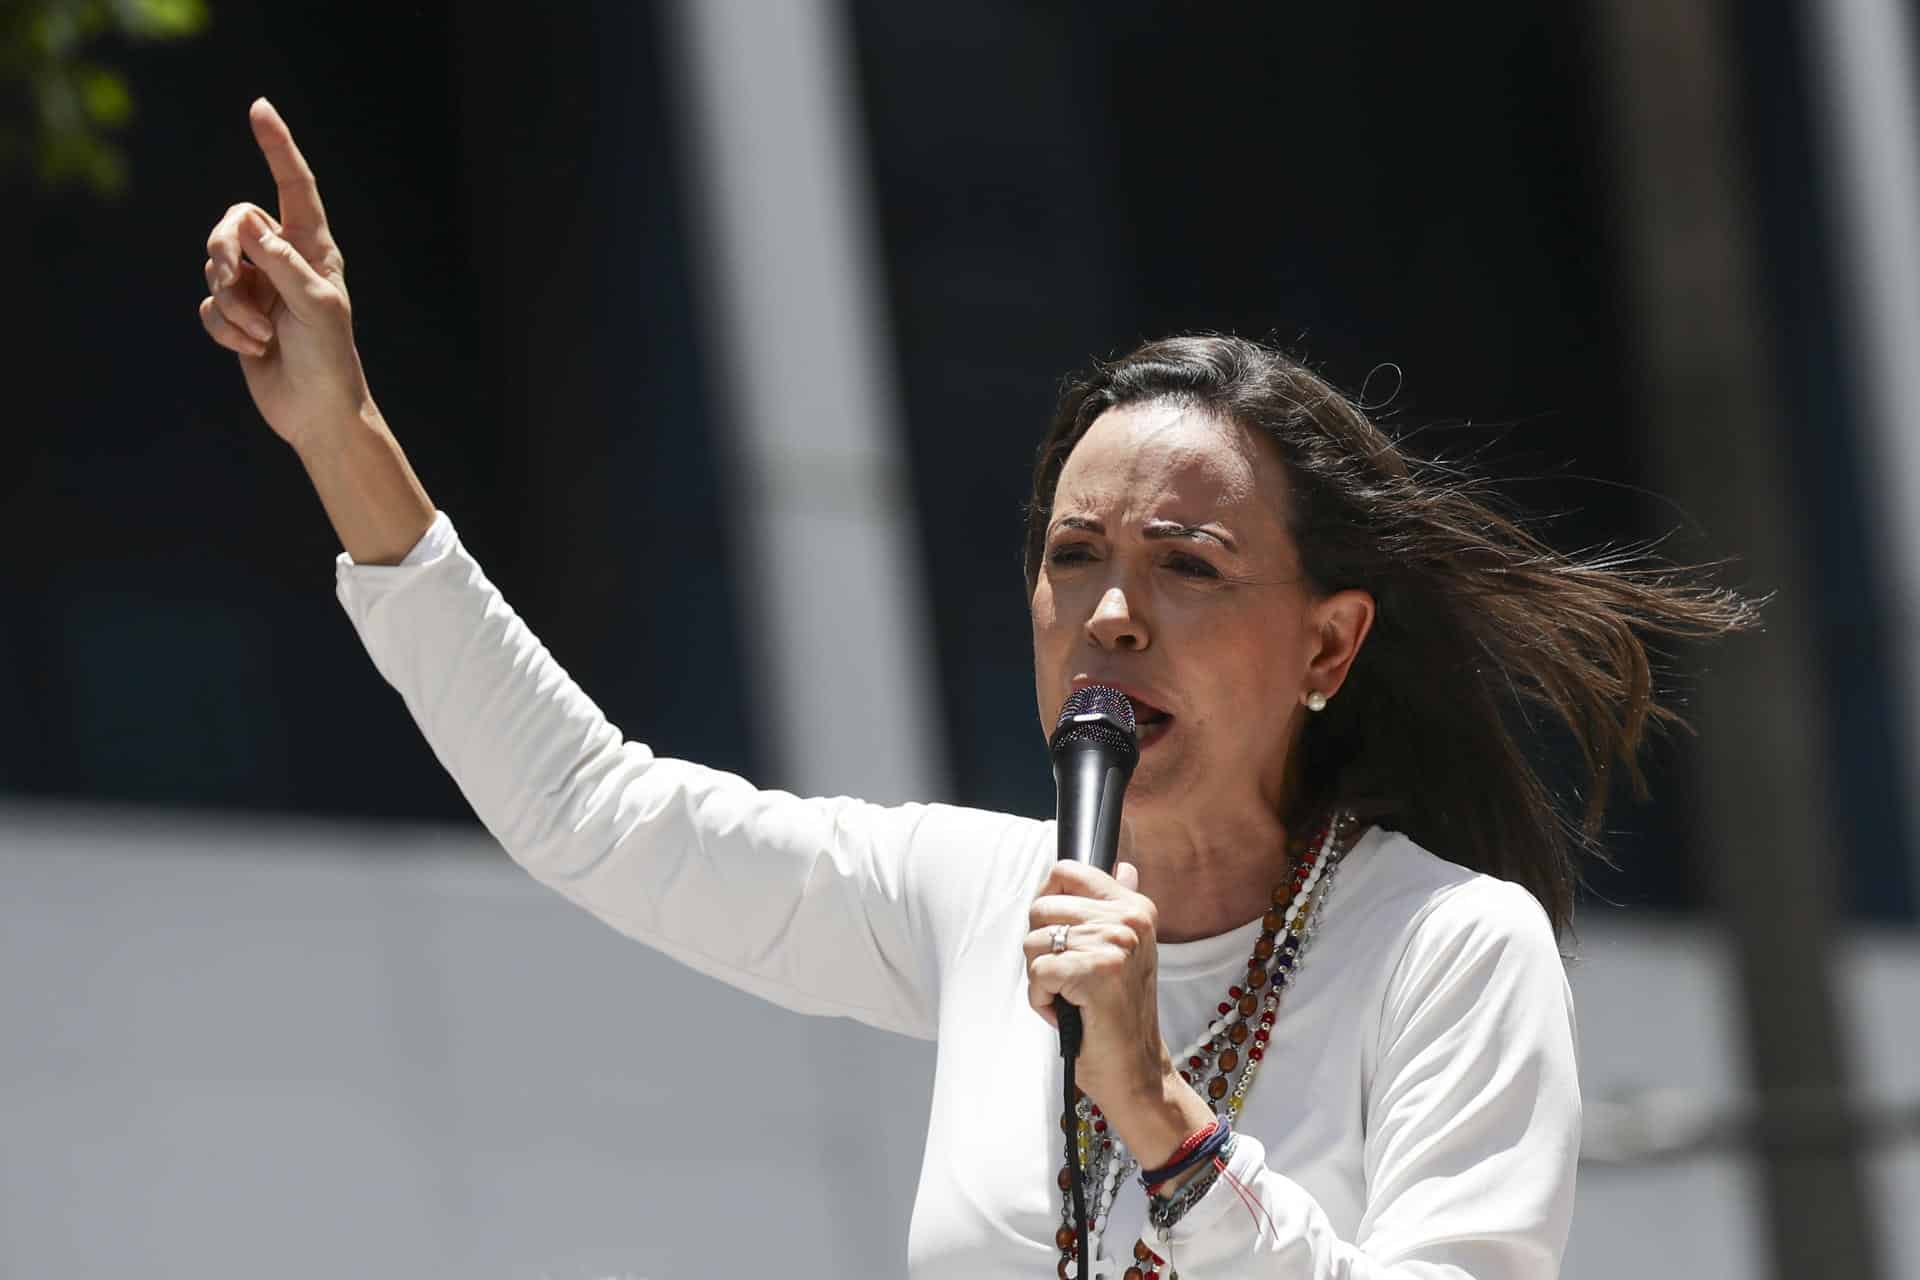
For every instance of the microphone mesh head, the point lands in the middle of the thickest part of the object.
(1101, 714)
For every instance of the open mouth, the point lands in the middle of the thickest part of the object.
(1152, 722)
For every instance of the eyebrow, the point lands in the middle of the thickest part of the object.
(1158, 530)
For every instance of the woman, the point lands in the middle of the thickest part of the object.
(1335, 924)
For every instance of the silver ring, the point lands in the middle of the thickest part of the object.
(1059, 938)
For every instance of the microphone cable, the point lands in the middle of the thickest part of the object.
(1070, 1122)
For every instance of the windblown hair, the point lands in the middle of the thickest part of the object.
(1477, 621)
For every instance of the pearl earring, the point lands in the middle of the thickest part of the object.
(1316, 701)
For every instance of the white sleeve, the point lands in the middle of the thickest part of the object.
(434, 543)
(831, 906)
(1472, 1121)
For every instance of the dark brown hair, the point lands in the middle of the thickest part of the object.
(1477, 620)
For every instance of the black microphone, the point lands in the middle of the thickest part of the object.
(1094, 747)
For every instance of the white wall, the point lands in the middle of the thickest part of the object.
(238, 1048)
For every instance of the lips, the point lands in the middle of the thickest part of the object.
(1145, 713)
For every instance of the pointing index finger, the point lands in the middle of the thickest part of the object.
(300, 210)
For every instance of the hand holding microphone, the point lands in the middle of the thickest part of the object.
(1104, 976)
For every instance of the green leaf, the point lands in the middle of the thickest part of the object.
(161, 19)
(58, 27)
(75, 102)
(68, 156)
(105, 95)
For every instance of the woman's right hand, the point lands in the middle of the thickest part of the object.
(278, 298)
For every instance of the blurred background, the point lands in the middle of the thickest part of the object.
(725, 331)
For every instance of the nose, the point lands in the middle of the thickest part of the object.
(1114, 624)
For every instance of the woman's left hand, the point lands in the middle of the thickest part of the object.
(1109, 970)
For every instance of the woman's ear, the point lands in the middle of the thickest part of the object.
(1341, 622)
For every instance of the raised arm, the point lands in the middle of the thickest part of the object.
(822, 905)
(278, 299)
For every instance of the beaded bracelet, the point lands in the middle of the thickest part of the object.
(1163, 1213)
(1199, 1149)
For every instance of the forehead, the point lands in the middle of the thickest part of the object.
(1168, 459)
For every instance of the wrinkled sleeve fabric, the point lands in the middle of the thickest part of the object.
(828, 906)
(1472, 1124)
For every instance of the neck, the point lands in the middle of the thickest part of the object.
(1208, 881)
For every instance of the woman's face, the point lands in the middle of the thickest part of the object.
(1168, 573)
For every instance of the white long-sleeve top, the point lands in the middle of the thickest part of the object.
(1416, 1115)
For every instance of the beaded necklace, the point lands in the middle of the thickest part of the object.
(1220, 1065)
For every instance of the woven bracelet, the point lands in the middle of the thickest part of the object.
(1222, 1132)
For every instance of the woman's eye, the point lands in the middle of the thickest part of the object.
(1070, 553)
(1191, 567)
